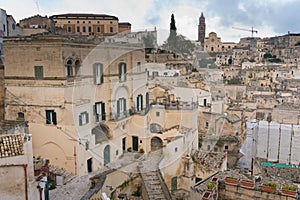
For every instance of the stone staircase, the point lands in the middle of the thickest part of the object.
(152, 178)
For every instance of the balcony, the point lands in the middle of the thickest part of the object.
(121, 115)
(175, 105)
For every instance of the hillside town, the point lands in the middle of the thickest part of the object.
(91, 110)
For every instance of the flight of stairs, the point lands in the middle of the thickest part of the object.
(151, 176)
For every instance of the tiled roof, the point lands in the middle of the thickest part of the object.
(11, 145)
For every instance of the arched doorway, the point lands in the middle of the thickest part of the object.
(156, 143)
(106, 155)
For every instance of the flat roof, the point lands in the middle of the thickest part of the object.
(84, 16)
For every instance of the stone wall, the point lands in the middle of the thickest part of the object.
(1, 91)
(292, 174)
(229, 192)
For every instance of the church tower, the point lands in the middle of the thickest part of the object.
(201, 29)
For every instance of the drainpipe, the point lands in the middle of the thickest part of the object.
(26, 184)
(75, 162)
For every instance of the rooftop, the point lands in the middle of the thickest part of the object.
(11, 145)
(84, 16)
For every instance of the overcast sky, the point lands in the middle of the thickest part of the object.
(269, 17)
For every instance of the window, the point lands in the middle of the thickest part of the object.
(83, 29)
(122, 72)
(38, 72)
(99, 110)
(69, 29)
(69, 68)
(157, 114)
(147, 100)
(83, 118)
(226, 147)
(176, 149)
(121, 106)
(4, 28)
(111, 29)
(139, 102)
(90, 29)
(78, 29)
(98, 73)
(77, 67)
(206, 125)
(205, 102)
(117, 152)
(98, 29)
(138, 67)
(20, 116)
(51, 117)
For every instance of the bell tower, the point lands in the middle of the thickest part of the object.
(201, 29)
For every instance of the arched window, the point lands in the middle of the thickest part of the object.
(69, 68)
(77, 67)
(106, 155)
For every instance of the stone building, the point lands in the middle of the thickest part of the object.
(212, 43)
(90, 24)
(1, 90)
(36, 24)
(92, 128)
(16, 162)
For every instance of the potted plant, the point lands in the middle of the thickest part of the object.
(231, 180)
(247, 184)
(269, 187)
(141, 150)
(206, 195)
(215, 180)
(289, 190)
(211, 186)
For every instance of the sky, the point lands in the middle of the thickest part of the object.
(269, 17)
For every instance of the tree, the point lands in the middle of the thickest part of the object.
(149, 42)
(172, 24)
(177, 43)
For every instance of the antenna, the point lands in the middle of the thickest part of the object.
(37, 5)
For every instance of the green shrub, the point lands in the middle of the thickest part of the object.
(210, 186)
(289, 187)
(271, 184)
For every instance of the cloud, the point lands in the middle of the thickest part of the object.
(269, 17)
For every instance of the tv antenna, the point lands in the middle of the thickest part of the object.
(37, 5)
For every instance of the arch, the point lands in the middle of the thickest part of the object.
(69, 67)
(77, 66)
(106, 155)
(155, 128)
(101, 132)
(54, 152)
(230, 61)
(156, 143)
